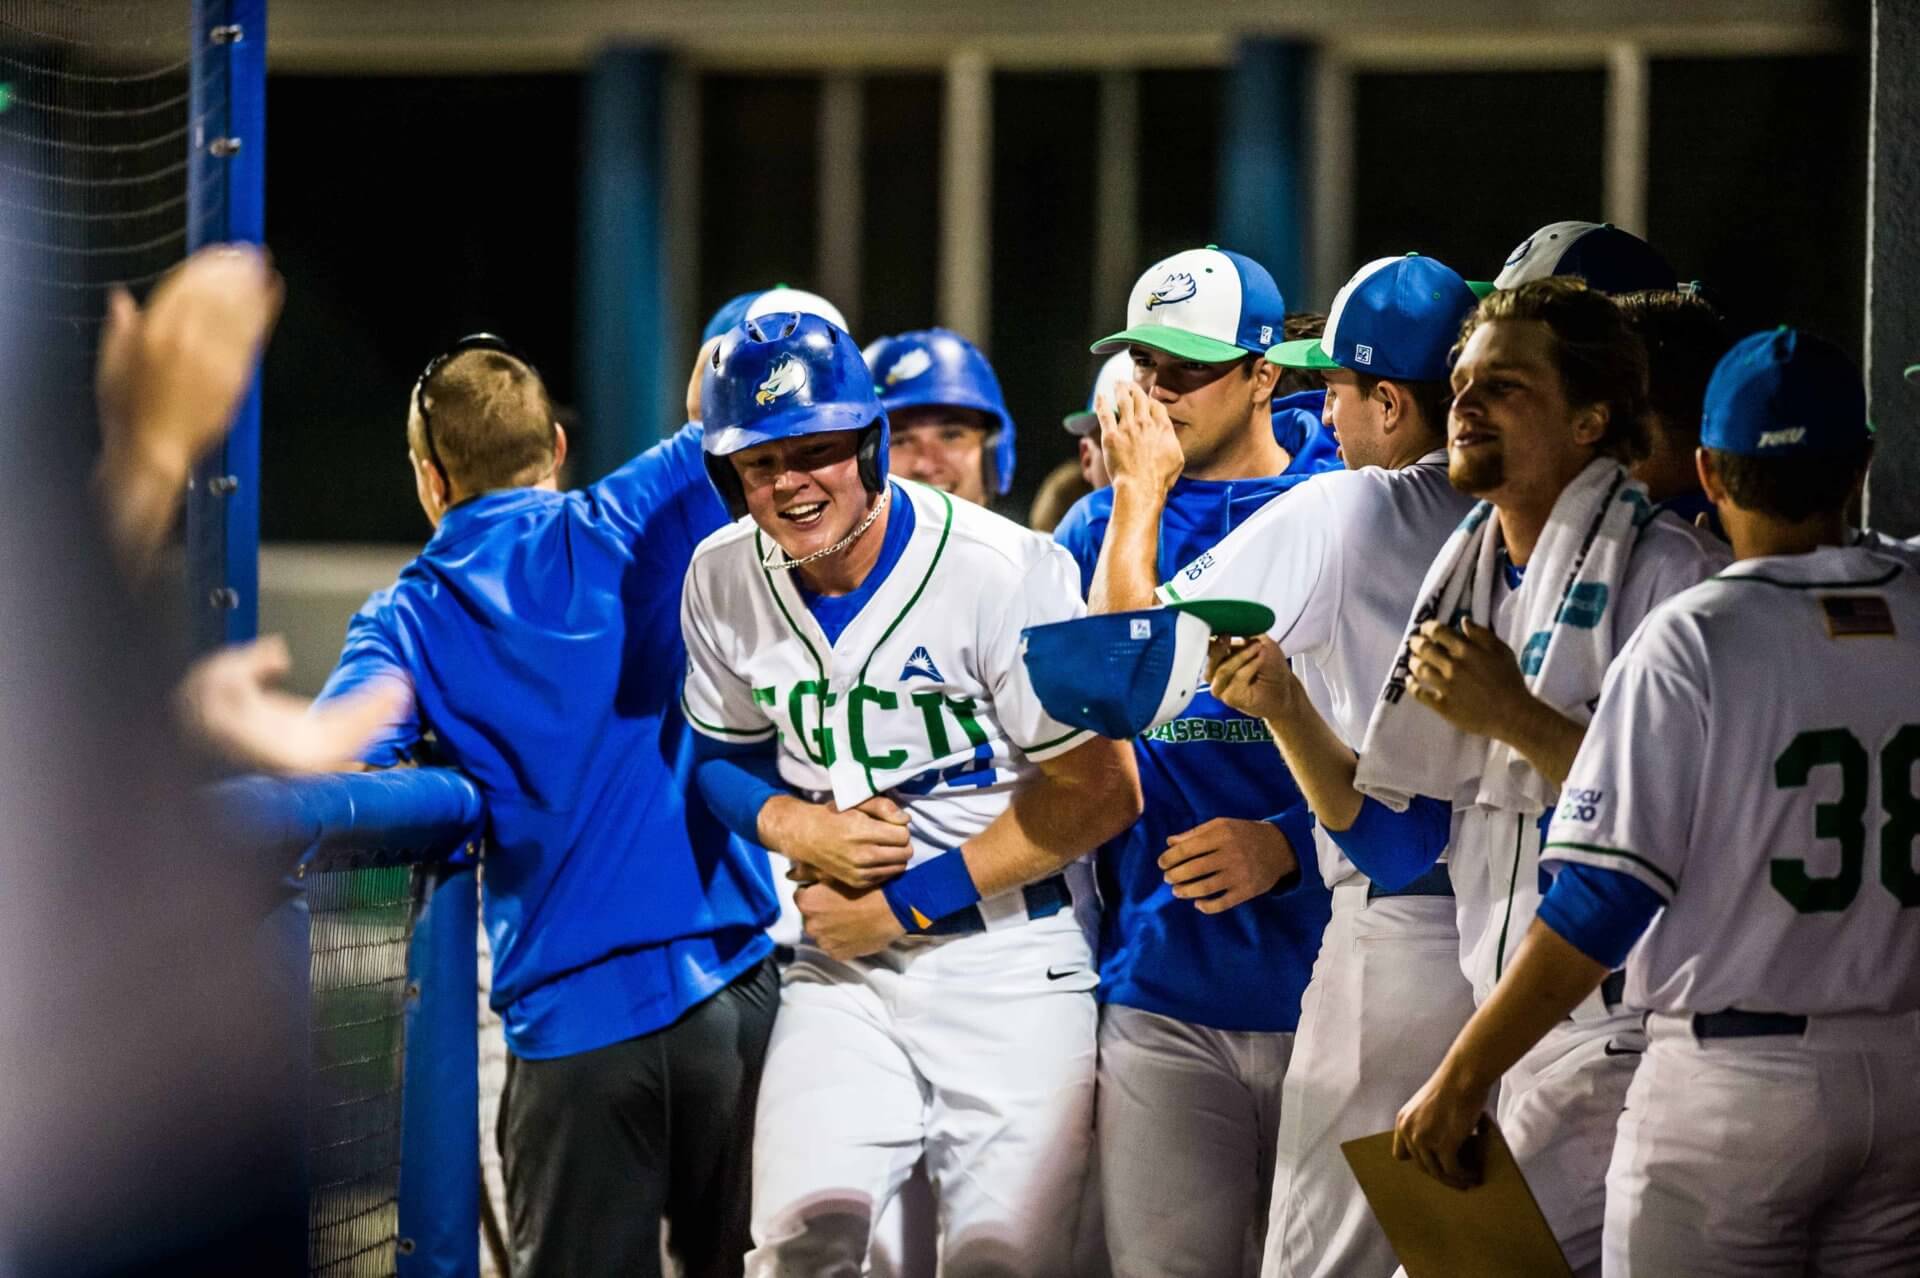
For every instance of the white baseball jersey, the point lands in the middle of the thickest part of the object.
(1753, 761)
(1340, 562)
(1493, 856)
(924, 697)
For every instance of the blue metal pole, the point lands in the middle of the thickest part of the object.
(1263, 161)
(226, 197)
(440, 1100)
(624, 344)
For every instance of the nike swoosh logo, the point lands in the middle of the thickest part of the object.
(1611, 1050)
(1058, 974)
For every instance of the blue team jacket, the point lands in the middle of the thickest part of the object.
(541, 633)
(1244, 969)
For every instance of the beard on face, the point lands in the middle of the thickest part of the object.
(1478, 472)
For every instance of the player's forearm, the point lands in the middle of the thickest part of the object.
(1128, 569)
(1545, 738)
(1068, 812)
(140, 492)
(1546, 981)
(1321, 764)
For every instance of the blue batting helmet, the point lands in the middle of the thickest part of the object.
(938, 366)
(782, 376)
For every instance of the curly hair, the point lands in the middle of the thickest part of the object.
(1600, 360)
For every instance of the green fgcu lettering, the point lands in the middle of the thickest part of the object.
(816, 742)
(872, 717)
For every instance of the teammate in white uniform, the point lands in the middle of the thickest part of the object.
(872, 629)
(1771, 1128)
(1340, 562)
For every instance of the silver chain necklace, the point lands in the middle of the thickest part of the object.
(770, 562)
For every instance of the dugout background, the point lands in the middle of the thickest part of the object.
(437, 168)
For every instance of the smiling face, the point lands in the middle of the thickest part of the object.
(941, 446)
(1212, 406)
(805, 493)
(1512, 436)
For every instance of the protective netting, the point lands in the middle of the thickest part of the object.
(96, 129)
(361, 921)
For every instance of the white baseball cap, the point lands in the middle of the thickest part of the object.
(1115, 371)
(1208, 304)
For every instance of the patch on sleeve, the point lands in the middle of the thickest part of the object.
(1857, 616)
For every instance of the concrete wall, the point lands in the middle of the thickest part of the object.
(309, 591)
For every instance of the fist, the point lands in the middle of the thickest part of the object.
(1137, 439)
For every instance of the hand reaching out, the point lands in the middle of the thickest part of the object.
(228, 705)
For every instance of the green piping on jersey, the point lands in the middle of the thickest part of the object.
(1672, 885)
(781, 604)
(1048, 745)
(704, 726)
(1173, 596)
(900, 616)
(1519, 836)
(1756, 578)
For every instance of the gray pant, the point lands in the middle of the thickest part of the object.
(1187, 1122)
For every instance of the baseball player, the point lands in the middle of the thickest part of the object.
(1340, 562)
(1770, 1129)
(1517, 619)
(854, 661)
(1202, 960)
(1610, 260)
(950, 425)
(1685, 338)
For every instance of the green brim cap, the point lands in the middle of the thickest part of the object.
(1913, 373)
(1081, 423)
(1174, 341)
(1238, 617)
(1303, 353)
(1482, 287)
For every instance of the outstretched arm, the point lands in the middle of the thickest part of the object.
(1081, 799)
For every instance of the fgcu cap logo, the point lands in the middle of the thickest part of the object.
(788, 376)
(1177, 287)
(1783, 438)
(1526, 246)
(909, 366)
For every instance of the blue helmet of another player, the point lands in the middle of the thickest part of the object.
(938, 368)
(1124, 673)
(770, 301)
(780, 377)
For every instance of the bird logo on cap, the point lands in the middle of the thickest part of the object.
(1177, 287)
(788, 376)
(909, 366)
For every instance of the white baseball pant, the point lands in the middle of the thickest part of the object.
(1770, 1155)
(1188, 1117)
(961, 1049)
(1384, 1004)
(1559, 1109)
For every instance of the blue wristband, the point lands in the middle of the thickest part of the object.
(930, 891)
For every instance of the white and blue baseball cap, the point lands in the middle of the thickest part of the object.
(1106, 382)
(1609, 259)
(1397, 318)
(1124, 673)
(770, 301)
(1209, 304)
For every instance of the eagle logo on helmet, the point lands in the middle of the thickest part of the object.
(1177, 287)
(909, 366)
(788, 376)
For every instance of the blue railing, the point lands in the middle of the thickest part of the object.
(386, 923)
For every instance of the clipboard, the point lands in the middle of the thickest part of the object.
(1494, 1230)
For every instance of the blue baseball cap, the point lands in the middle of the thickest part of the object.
(1782, 393)
(1123, 673)
(1208, 304)
(769, 301)
(1609, 259)
(1398, 318)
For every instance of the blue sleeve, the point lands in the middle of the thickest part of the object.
(1599, 912)
(1297, 824)
(736, 778)
(1077, 533)
(664, 489)
(1395, 848)
(371, 654)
